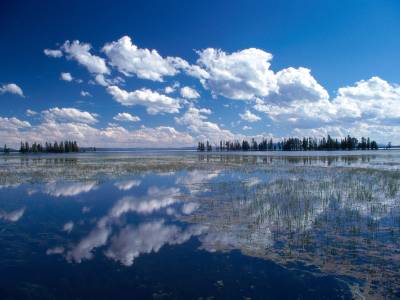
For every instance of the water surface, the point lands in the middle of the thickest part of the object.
(183, 225)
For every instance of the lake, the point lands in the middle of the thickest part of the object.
(188, 225)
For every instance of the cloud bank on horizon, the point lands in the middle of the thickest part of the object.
(290, 101)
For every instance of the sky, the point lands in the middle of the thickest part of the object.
(172, 73)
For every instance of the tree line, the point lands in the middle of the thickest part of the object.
(293, 144)
(61, 147)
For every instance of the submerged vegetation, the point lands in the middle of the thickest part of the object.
(293, 144)
(343, 221)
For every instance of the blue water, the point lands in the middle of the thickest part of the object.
(216, 227)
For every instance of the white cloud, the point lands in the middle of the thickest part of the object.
(161, 136)
(13, 124)
(30, 112)
(374, 100)
(53, 53)
(85, 94)
(11, 88)
(144, 63)
(101, 80)
(169, 90)
(126, 117)
(189, 93)
(372, 104)
(249, 116)
(246, 75)
(70, 115)
(245, 127)
(297, 84)
(154, 102)
(81, 53)
(104, 81)
(13, 130)
(241, 75)
(196, 121)
(66, 76)
(191, 70)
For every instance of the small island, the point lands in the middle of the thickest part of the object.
(61, 147)
(293, 144)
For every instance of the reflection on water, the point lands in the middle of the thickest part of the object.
(327, 226)
(12, 216)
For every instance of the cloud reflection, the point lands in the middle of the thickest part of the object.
(149, 237)
(155, 199)
(12, 216)
(127, 184)
(68, 226)
(68, 189)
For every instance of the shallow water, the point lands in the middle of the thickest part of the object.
(184, 225)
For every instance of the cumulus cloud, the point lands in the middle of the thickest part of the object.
(246, 75)
(372, 104)
(13, 123)
(241, 75)
(126, 117)
(81, 53)
(249, 116)
(189, 93)
(196, 121)
(297, 84)
(70, 115)
(53, 53)
(144, 63)
(11, 88)
(154, 102)
(11, 130)
(66, 76)
(290, 98)
(374, 100)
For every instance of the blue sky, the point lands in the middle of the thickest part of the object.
(170, 73)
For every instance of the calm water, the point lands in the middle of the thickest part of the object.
(182, 225)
